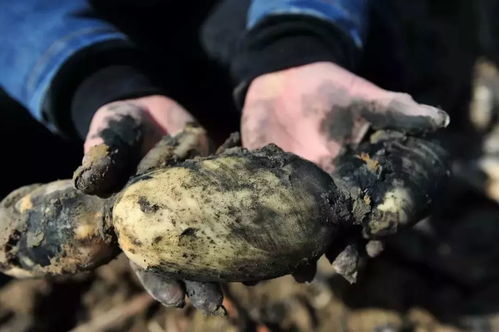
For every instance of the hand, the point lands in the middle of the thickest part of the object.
(120, 134)
(313, 110)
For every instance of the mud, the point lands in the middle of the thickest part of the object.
(338, 124)
(146, 206)
(107, 167)
(342, 121)
(391, 181)
(398, 116)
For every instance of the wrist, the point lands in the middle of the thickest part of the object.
(109, 84)
(288, 41)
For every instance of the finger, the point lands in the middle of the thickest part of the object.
(104, 170)
(206, 296)
(120, 134)
(112, 149)
(168, 292)
(400, 111)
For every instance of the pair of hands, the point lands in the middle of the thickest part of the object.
(311, 110)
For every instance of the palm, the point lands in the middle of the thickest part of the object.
(313, 110)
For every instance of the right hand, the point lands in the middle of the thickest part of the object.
(120, 134)
(315, 110)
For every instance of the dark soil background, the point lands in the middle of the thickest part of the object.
(440, 276)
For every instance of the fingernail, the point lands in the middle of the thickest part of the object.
(168, 292)
(445, 118)
(206, 296)
(439, 116)
(171, 295)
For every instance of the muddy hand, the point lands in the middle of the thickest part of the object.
(168, 292)
(313, 110)
(206, 296)
(120, 134)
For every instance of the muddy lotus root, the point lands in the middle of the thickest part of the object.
(237, 215)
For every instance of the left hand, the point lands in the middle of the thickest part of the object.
(315, 109)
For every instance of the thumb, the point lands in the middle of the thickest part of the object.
(111, 149)
(120, 134)
(400, 111)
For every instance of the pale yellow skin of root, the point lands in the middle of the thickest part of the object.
(200, 229)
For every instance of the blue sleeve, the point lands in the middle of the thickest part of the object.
(350, 16)
(37, 37)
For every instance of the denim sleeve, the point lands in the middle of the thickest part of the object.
(350, 16)
(37, 37)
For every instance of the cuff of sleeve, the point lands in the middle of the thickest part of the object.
(286, 41)
(87, 81)
(61, 52)
(116, 82)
